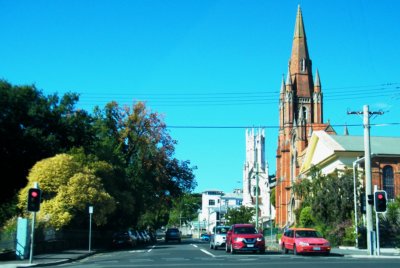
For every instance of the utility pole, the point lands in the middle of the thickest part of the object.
(368, 177)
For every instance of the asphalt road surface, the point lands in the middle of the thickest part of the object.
(198, 254)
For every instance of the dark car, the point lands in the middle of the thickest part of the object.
(244, 237)
(172, 234)
(123, 240)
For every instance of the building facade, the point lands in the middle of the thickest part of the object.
(336, 152)
(215, 204)
(300, 113)
(255, 176)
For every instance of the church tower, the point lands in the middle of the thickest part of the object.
(255, 177)
(300, 112)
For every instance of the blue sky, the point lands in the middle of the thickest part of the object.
(208, 63)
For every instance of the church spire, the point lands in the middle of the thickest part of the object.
(300, 62)
(299, 31)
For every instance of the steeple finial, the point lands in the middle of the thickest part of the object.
(288, 78)
(283, 84)
(299, 26)
(317, 81)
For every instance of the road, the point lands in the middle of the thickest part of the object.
(194, 254)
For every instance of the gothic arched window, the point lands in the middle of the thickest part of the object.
(388, 181)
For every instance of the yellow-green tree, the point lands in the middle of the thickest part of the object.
(68, 186)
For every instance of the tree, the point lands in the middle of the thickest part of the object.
(240, 215)
(34, 127)
(327, 202)
(67, 188)
(137, 142)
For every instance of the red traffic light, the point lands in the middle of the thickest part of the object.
(380, 201)
(34, 199)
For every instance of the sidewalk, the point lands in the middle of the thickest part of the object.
(48, 259)
(74, 255)
(353, 252)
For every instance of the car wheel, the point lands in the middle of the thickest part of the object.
(215, 247)
(227, 249)
(284, 249)
(294, 250)
(211, 246)
(262, 251)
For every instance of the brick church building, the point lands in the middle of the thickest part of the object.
(300, 113)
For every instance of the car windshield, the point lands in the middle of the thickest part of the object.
(222, 230)
(307, 233)
(245, 230)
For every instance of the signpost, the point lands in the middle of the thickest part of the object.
(90, 227)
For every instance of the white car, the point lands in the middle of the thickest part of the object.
(218, 238)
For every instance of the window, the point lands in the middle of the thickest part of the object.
(303, 65)
(388, 181)
(211, 202)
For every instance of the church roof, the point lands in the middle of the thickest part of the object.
(379, 144)
(323, 146)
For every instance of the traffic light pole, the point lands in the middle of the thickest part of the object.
(32, 236)
(368, 177)
(378, 248)
(35, 185)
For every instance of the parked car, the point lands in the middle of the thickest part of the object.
(172, 234)
(244, 237)
(218, 238)
(205, 237)
(304, 240)
(123, 239)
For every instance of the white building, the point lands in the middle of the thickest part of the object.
(215, 204)
(255, 172)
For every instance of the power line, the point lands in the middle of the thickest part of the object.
(272, 126)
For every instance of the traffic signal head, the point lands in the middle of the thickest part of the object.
(380, 201)
(34, 198)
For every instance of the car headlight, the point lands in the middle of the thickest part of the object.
(238, 239)
(301, 243)
(260, 239)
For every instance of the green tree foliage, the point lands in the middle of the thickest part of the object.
(306, 219)
(184, 209)
(137, 142)
(389, 226)
(241, 214)
(122, 157)
(68, 187)
(33, 127)
(327, 201)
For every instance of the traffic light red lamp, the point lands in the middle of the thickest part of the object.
(34, 199)
(380, 199)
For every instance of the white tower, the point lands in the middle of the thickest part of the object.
(256, 166)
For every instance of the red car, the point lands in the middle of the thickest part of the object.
(244, 237)
(304, 240)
